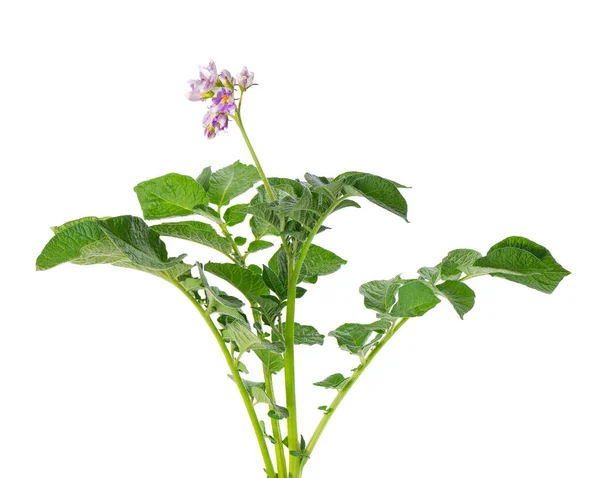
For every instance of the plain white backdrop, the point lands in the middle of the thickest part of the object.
(489, 110)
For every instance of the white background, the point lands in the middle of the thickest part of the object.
(489, 110)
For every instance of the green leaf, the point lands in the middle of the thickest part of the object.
(242, 279)
(240, 333)
(354, 338)
(414, 300)
(276, 412)
(204, 178)
(259, 245)
(196, 232)
(320, 262)
(273, 282)
(230, 182)
(430, 274)
(138, 242)
(170, 196)
(459, 294)
(305, 335)
(66, 225)
(376, 189)
(335, 381)
(80, 241)
(272, 361)
(124, 241)
(240, 241)
(457, 262)
(380, 295)
(235, 214)
(523, 261)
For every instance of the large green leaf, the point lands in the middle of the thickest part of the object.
(242, 279)
(231, 181)
(376, 189)
(171, 195)
(523, 261)
(305, 335)
(195, 231)
(320, 262)
(235, 214)
(380, 295)
(124, 241)
(459, 294)
(414, 299)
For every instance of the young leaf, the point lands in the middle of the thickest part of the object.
(459, 294)
(414, 299)
(242, 279)
(240, 241)
(230, 182)
(457, 262)
(320, 262)
(430, 274)
(335, 381)
(170, 196)
(235, 214)
(194, 231)
(525, 262)
(378, 190)
(305, 335)
(380, 295)
(259, 245)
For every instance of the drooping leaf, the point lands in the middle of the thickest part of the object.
(376, 189)
(335, 381)
(320, 262)
(259, 245)
(276, 412)
(170, 195)
(195, 231)
(414, 300)
(66, 225)
(239, 332)
(523, 261)
(242, 279)
(231, 181)
(459, 294)
(124, 241)
(380, 295)
(305, 335)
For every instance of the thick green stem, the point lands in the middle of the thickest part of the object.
(346, 388)
(238, 381)
(294, 268)
(279, 452)
(238, 120)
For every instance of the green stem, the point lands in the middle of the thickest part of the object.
(346, 388)
(279, 452)
(294, 268)
(238, 381)
(238, 120)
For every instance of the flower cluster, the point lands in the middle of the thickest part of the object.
(219, 88)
